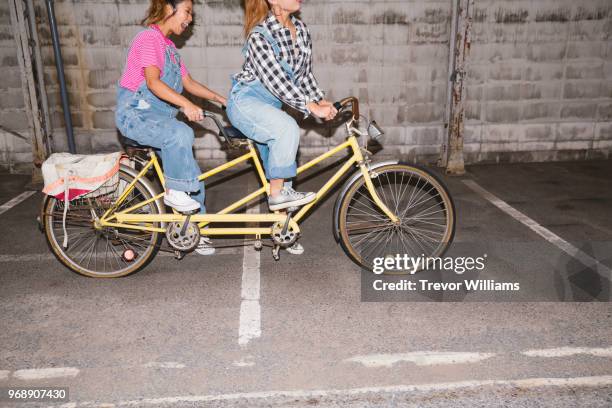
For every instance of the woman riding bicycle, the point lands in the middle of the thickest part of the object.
(148, 96)
(277, 70)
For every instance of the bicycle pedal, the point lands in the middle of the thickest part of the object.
(192, 212)
(292, 209)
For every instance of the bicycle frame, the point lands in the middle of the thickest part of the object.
(126, 218)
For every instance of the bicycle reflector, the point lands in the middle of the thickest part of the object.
(374, 130)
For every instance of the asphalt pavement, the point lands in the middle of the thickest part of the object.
(240, 329)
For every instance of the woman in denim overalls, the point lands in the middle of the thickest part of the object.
(148, 97)
(277, 70)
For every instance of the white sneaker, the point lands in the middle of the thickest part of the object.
(180, 201)
(295, 249)
(205, 246)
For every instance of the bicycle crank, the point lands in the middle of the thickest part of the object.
(283, 235)
(183, 236)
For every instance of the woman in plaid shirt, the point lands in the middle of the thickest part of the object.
(277, 70)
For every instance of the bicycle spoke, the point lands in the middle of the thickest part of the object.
(416, 205)
(383, 241)
(379, 217)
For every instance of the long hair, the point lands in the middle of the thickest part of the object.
(255, 11)
(157, 11)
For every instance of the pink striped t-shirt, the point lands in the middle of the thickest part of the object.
(148, 48)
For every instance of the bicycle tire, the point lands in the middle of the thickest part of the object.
(423, 191)
(81, 232)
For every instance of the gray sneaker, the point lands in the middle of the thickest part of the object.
(288, 197)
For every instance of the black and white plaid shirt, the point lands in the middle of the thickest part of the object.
(261, 63)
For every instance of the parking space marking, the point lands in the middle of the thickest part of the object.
(164, 364)
(45, 373)
(548, 235)
(250, 309)
(13, 202)
(569, 351)
(420, 358)
(526, 383)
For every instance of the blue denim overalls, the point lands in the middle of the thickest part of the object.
(145, 118)
(256, 112)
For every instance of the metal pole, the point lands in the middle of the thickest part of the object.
(42, 93)
(455, 163)
(28, 83)
(59, 65)
(443, 161)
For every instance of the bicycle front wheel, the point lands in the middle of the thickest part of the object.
(418, 198)
(108, 252)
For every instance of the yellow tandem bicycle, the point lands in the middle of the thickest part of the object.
(382, 209)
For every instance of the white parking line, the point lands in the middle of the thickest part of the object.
(164, 364)
(420, 358)
(10, 204)
(527, 383)
(569, 351)
(45, 373)
(250, 309)
(551, 237)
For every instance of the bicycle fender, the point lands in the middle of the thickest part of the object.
(347, 184)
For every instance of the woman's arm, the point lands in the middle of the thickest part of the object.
(195, 88)
(164, 92)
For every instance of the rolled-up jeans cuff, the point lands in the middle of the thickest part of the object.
(283, 172)
(189, 186)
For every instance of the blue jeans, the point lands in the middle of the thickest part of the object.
(254, 111)
(144, 123)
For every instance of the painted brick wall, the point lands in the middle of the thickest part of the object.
(539, 73)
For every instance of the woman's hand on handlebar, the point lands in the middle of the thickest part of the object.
(193, 112)
(323, 109)
(333, 111)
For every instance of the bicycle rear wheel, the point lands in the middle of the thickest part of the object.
(108, 252)
(419, 199)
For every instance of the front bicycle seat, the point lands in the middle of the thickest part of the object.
(233, 133)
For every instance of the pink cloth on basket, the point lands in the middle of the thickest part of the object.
(78, 174)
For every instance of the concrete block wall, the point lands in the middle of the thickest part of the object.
(539, 73)
(540, 81)
(15, 148)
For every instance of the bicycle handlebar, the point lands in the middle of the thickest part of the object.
(339, 105)
(354, 105)
(218, 123)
